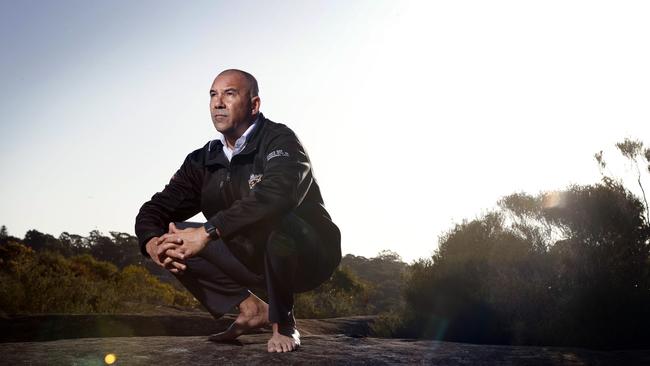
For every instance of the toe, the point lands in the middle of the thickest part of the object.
(273, 347)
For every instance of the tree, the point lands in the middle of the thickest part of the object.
(342, 295)
(633, 151)
(77, 243)
(384, 276)
(569, 267)
(40, 241)
(120, 248)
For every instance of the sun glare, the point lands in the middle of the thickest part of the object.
(110, 359)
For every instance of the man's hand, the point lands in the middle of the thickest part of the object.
(152, 250)
(181, 244)
(161, 258)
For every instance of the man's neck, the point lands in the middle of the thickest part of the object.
(231, 138)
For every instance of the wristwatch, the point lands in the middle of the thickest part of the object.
(211, 230)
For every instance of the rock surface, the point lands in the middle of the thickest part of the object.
(54, 327)
(341, 341)
(317, 349)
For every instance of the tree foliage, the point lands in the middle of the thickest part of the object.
(48, 282)
(342, 295)
(384, 276)
(569, 267)
(635, 153)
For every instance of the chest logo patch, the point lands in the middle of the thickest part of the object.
(253, 180)
(276, 153)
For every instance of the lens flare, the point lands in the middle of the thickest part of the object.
(553, 200)
(110, 358)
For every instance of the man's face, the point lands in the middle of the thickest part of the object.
(231, 106)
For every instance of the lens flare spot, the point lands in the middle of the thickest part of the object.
(110, 359)
(553, 200)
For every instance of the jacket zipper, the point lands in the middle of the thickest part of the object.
(226, 185)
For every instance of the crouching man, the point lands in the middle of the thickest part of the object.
(266, 224)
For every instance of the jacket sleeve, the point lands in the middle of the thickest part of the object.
(286, 178)
(178, 201)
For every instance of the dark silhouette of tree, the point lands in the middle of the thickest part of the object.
(121, 249)
(77, 243)
(561, 268)
(40, 241)
(634, 152)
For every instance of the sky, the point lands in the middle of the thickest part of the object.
(416, 115)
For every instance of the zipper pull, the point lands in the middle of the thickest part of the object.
(225, 181)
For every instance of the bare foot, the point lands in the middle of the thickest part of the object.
(287, 342)
(253, 314)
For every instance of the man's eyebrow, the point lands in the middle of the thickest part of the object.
(225, 90)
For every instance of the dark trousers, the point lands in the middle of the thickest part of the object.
(294, 261)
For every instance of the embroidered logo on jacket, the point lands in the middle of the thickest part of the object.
(253, 180)
(276, 153)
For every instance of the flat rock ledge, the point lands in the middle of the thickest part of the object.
(182, 340)
(316, 350)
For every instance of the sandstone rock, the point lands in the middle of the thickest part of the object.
(317, 349)
(341, 341)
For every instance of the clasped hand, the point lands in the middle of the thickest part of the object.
(171, 249)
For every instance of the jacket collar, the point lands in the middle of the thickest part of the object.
(214, 148)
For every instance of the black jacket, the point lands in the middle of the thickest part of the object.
(245, 198)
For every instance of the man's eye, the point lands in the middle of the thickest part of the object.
(230, 93)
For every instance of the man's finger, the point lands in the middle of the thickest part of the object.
(166, 237)
(171, 238)
(176, 253)
(166, 246)
(162, 238)
(176, 270)
(178, 266)
(173, 228)
(172, 264)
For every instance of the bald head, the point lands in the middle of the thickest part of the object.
(249, 79)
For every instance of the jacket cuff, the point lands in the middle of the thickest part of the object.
(217, 221)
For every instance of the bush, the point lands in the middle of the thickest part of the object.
(47, 282)
(342, 295)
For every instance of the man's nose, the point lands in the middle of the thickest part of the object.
(218, 102)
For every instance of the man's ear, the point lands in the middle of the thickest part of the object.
(255, 105)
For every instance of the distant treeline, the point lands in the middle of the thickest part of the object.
(41, 273)
(570, 267)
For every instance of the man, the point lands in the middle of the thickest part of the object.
(266, 224)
